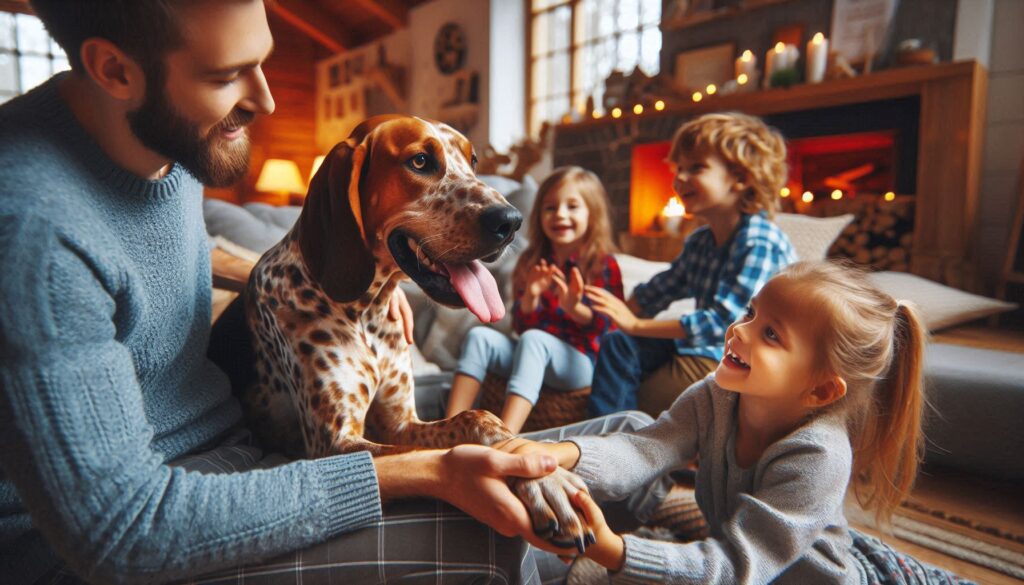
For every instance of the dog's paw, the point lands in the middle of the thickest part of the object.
(549, 502)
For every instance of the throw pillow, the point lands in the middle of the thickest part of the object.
(812, 236)
(940, 306)
(256, 231)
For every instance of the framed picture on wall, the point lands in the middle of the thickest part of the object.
(696, 68)
(860, 28)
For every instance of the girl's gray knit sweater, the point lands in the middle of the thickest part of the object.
(779, 521)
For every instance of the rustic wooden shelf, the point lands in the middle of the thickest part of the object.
(886, 84)
(952, 98)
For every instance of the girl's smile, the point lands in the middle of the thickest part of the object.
(770, 351)
(565, 219)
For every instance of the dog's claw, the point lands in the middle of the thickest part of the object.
(555, 519)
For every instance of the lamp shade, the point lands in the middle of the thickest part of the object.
(280, 176)
(316, 166)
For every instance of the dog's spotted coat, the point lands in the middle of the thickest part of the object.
(333, 372)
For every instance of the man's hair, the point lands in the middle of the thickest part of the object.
(753, 151)
(144, 29)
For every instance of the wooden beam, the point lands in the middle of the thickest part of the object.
(392, 12)
(313, 21)
(16, 6)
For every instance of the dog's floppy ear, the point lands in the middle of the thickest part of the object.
(331, 234)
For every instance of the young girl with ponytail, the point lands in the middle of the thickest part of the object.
(820, 386)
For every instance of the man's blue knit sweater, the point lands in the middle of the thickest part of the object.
(104, 324)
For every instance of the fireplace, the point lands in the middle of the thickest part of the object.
(902, 139)
(828, 176)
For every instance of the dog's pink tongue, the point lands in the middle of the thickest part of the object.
(478, 290)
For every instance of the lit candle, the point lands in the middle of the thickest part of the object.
(817, 58)
(746, 64)
(672, 215)
(774, 61)
(792, 56)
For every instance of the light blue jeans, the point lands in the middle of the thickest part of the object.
(537, 359)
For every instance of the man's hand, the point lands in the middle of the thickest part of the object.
(475, 480)
(400, 309)
(613, 307)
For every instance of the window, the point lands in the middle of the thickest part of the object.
(28, 56)
(575, 44)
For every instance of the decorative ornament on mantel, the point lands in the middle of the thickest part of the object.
(450, 48)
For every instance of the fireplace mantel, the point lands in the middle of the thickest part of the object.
(952, 117)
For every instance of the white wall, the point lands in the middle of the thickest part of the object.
(1004, 137)
(429, 88)
(507, 109)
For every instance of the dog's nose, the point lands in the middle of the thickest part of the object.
(500, 222)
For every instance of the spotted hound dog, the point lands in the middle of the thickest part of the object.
(398, 199)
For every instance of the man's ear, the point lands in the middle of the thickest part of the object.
(827, 391)
(113, 70)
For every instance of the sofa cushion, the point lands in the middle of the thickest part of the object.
(812, 236)
(940, 306)
(255, 226)
(975, 398)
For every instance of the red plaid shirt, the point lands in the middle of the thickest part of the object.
(551, 318)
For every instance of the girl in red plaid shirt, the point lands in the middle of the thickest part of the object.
(559, 334)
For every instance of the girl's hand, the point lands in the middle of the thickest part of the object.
(538, 280)
(612, 307)
(570, 294)
(609, 550)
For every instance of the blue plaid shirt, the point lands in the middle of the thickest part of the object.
(721, 279)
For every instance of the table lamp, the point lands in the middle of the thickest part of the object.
(281, 178)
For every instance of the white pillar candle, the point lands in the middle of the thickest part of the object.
(792, 56)
(774, 61)
(817, 58)
(746, 64)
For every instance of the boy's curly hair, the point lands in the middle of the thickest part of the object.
(753, 151)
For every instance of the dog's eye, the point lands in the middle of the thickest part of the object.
(420, 162)
(473, 161)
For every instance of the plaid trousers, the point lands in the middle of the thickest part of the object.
(416, 541)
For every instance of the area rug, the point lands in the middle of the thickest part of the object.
(999, 548)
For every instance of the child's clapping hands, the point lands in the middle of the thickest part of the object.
(612, 307)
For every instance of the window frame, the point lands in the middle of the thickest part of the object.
(54, 55)
(575, 51)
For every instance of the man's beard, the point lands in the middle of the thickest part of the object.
(214, 160)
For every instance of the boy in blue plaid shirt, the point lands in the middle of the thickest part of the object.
(729, 169)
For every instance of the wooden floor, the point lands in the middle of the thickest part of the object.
(992, 503)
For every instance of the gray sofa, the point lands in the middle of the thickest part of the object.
(976, 396)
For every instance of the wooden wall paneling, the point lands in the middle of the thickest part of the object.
(289, 132)
(952, 122)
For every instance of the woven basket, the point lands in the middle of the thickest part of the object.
(554, 408)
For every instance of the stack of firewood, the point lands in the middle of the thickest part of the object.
(882, 234)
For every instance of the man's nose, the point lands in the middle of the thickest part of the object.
(260, 98)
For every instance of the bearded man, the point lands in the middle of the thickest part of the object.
(122, 456)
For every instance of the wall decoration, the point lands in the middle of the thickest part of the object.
(450, 48)
(696, 68)
(860, 28)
